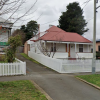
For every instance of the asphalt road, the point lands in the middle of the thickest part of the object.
(57, 86)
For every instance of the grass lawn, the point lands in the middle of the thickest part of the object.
(27, 57)
(94, 79)
(19, 90)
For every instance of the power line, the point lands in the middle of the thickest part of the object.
(82, 8)
(39, 17)
(90, 19)
(49, 22)
(86, 3)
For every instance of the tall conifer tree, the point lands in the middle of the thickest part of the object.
(73, 20)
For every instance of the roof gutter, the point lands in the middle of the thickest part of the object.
(69, 42)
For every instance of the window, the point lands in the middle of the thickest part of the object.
(53, 47)
(98, 48)
(80, 47)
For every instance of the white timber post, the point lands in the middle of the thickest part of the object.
(75, 49)
(88, 47)
(68, 49)
(53, 49)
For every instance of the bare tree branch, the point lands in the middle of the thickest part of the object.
(11, 7)
(47, 51)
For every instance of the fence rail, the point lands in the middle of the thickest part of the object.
(65, 65)
(79, 65)
(52, 63)
(17, 68)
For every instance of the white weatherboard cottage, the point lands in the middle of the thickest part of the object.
(57, 43)
(60, 50)
(5, 33)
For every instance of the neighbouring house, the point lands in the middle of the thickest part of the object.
(5, 33)
(57, 43)
(27, 46)
(98, 45)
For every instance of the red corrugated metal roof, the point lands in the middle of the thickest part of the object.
(54, 29)
(57, 34)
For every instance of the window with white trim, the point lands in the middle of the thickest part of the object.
(80, 47)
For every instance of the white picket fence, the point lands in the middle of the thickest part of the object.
(65, 65)
(16, 68)
(52, 63)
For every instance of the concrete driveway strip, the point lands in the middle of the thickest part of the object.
(58, 86)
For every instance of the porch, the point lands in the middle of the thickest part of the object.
(69, 50)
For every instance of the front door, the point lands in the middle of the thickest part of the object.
(68, 50)
(72, 50)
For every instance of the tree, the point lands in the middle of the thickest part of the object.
(49, 50)
(14, 11)
(21, 33)
(73, 20)
(13, 42)
(30, 29)
(11, 8)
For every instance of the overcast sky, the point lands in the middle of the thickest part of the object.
(47, 12)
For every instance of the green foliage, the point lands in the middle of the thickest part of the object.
(23, 28)
(73, 20)
(97, 54)
(94, 79)
(2, 58)
(10, 55)
(30, 29)
(21, 33)
(20, 90)
(13, 42)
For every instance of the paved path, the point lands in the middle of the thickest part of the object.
(58, 86)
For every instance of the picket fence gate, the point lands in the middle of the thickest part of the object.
(16, 68)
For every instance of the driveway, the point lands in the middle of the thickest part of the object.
(58, 86)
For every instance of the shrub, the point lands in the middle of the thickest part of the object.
(13, 42)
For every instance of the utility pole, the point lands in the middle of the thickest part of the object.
(94, 39)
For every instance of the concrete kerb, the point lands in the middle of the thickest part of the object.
(88, 83)
(41, 90)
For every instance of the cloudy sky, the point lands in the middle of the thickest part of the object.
(47, 12)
